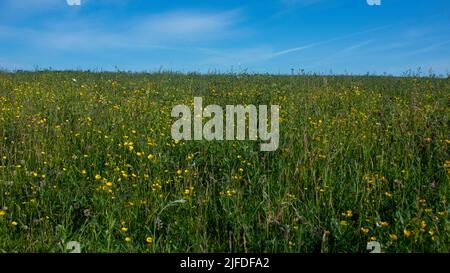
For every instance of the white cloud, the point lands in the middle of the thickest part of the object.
(151, 31)
(29, 6)
(187, 25)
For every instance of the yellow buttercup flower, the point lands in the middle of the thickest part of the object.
(393, 237)
(407, 233)
(127, 239)
(149, 240)
(423, 224)
(98, 177)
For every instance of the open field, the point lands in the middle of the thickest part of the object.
(89, 157)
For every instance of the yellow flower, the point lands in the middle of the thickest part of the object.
(384, 224)
(406, 232)
(83, 172)
(364, 230)
(349, 213)
(231, 192)
(2, 212)
(388, 194)
(373, 238)
(14, 223)
(98, 177)
(241, 170)
(127, 239)
(394, 237)
(150, 157)
(423, 224)
(149, 240)
(179, 172)
(344, 223)
(140, 154)
(124, 229)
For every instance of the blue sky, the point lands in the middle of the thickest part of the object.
(275, 36)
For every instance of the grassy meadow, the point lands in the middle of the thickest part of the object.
(89, 157)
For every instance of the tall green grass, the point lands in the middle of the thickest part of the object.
(88, 157)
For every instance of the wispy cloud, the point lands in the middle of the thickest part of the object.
(357, 46)
(302, 48)
(152, 31)
(24, 8)
(425, 49)
(188, 25)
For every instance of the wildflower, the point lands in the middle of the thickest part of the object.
(364, 230)
(231, 192)
(442, 213)
(127, 239)
(150, 157)
(384, 224)
(291, 244)
(84, 172)
(388, 194)
(149, 240)
(98, 177)
(344, 223)
(14, 223)
(373, 238)
(124, 229)
(179, 172)
(241, 170)
(2, 212)
(393, 237)
(423, 224)
(407, 233)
